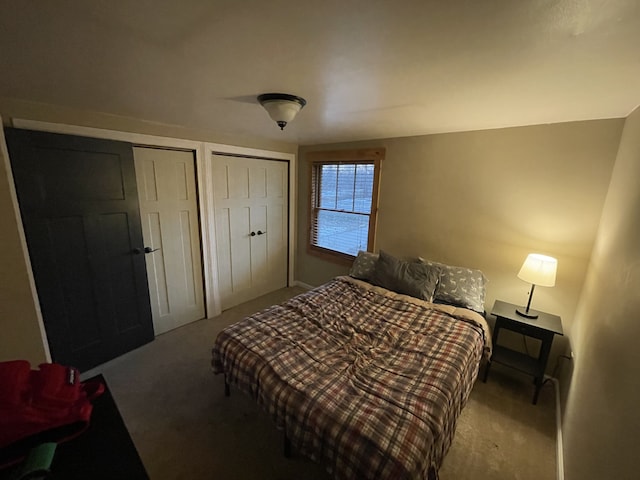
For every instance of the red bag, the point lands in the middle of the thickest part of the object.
(45, 405)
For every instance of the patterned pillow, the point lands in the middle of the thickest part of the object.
(410, 278)
(459, 286)
(364, 265)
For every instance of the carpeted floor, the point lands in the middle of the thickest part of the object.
(185, 428)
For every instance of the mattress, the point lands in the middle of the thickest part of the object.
(365, 381)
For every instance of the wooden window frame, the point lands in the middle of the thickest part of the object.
(359, 156)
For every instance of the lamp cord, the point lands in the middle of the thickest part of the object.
(556, 367)
(526, 347)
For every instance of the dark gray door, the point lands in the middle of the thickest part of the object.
(79, 205)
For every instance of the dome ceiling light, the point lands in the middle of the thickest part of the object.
(281, 107)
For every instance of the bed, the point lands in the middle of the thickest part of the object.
(364, 380)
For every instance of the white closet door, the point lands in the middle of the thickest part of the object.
(170, 226)
(251, 205)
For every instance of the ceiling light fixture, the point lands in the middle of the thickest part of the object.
(281, 107)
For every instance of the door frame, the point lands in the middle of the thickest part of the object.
(203, 154)
(212, 149)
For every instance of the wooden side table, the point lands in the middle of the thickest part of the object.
(543, 328)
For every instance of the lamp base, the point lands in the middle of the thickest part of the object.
(526, 313)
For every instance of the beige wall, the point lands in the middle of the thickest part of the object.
(602, 420)
(20, 335)
(486, 199)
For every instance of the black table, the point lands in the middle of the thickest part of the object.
(105, 451)
(544, 328)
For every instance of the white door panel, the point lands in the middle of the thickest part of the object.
(223, 247)
(277, 242)
(168, 206)
(239, 223)
(250, 196)
(156, 273)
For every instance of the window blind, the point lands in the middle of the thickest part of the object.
(342, 200)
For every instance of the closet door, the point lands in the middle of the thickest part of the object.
(251, 210)
(169, 210)
(79, 205)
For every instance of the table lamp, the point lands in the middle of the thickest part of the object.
(539, 270)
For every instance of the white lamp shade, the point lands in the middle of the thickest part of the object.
(282, 110)
(539, 270)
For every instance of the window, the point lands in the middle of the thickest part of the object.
(344, 201)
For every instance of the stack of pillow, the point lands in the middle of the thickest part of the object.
(431, 281)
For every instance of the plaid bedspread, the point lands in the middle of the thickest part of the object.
(367, 382)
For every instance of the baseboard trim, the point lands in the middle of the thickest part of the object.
(306, 286)
(559, 445)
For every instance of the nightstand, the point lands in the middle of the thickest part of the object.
(543, 328)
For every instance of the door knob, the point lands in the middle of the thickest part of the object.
(150, 250)
(136, 251)
(253, 234)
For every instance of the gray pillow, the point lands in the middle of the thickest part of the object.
(364, 265)
(459, 286)
(410, 278)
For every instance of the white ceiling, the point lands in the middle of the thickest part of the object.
(368, 69)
